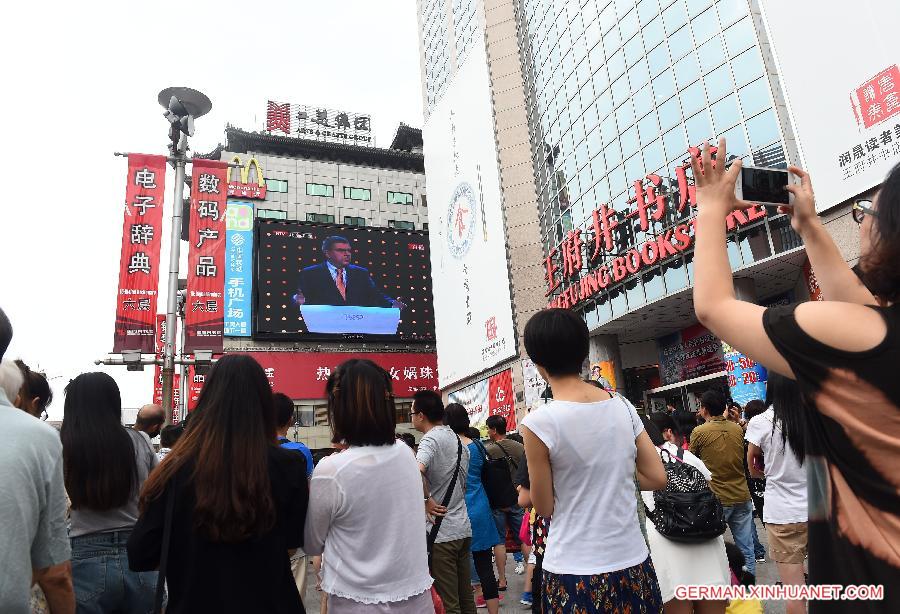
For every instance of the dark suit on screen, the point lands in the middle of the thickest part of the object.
(319, 288)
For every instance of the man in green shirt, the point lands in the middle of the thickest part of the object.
(719, 443)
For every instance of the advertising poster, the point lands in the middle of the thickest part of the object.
(473, 312)
(488, 397)
(139, 260)
(689, 353)
(204, 309)
(844, 102)
(534, 384)
(605, 373)
(342, 282)
(302, 375)
(746, 377)
(238, 268)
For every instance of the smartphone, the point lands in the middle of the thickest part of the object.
(764, 186)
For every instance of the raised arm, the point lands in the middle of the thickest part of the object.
(836, 279)
(737, 322)
(650, 472)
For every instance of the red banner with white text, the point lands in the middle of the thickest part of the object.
(139, 263)
(302, 375)
(204, 308)
(176, 392)
(501, 399)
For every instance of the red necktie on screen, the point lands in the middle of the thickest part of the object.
(342, 288)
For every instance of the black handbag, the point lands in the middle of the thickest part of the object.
(686, 510)
(496, 477)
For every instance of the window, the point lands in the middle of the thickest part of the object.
(398, 198)
(354, 221)
(276, 185)
(401, 225)
(271, 214)
(321, 218)
(319, 189)
(424, 202)
(425, 226)
(357, 193)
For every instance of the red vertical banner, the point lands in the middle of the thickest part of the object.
(195, 385)
(204, 309)
(501, 400)
(139, 263)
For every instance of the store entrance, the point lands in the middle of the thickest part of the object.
(684, 395)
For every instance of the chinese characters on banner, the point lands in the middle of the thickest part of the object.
(139, 264)
(205, 308)
(302, 375)
(687, 354)
(160, 336)
(878, 98)
(195, 385)
(238, 268)
(319, 124)
(746, 378)
(534, 384)
(489, 397)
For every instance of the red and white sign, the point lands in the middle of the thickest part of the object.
(812, 284)
(139, 264)
(489, 397)
(205, 307)
(302, 375)
(244, 188)
(195, 385)
(176, 391)
(878, 99)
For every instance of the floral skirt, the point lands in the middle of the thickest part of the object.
(633, 590)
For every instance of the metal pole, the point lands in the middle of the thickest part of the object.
(168, 370)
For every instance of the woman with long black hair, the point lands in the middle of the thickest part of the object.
(771, 453)
(239, 502)
(105, 465)
(843, 352)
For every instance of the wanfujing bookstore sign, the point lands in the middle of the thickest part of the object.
(568, 261)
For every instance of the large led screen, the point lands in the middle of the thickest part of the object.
(342, 282)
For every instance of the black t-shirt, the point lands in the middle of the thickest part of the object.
(250, 576)
(853, 451)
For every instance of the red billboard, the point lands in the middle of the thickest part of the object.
(302, 375)
(139, 263)
(205, 309)
(501, 399)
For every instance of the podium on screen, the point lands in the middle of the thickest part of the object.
(339, 319)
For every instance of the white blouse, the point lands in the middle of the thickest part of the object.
(367, 518)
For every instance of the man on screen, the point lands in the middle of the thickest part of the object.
(337, 282)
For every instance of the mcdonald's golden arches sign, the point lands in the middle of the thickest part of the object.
(245, 188)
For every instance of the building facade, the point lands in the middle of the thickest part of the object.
(620, 94)
(466, 42)
(319, 184)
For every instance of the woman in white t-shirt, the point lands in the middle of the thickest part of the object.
(678, 563)
(583, 449)
(366, 511)
(776, 443)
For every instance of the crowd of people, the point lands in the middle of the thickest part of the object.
(609, 510)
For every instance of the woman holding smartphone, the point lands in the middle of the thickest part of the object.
(844, 353)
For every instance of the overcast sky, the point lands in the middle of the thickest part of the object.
(81, 81)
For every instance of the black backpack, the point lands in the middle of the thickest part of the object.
(686, 510)
(496, 477)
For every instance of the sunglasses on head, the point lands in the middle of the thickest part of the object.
(861, 209)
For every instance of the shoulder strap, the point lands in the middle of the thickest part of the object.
(432, 536)
(680, 453)
(509, 459)
(164, 553)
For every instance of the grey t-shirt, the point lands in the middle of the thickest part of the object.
(86, 521)
(437, 451)
(32, 504)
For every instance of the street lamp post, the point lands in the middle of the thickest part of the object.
(182, 105)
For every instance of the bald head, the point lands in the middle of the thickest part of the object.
(150, 419)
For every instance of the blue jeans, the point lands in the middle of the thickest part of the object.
(740, 520)
(103, 582)
(512, 517)
(758, 548)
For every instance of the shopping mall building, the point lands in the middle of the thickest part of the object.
(606, 101)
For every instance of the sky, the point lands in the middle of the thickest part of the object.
(81, 82)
